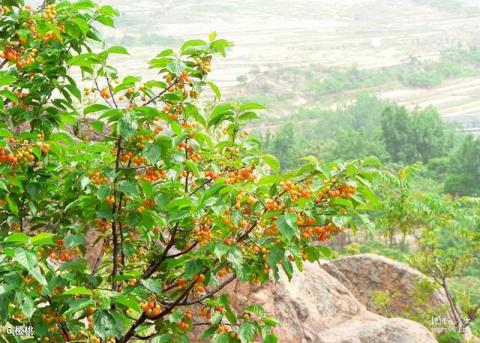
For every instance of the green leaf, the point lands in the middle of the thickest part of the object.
(251, 106)
(272, 162)
(104, 324)
(270, 339)
(275, 255)
(5, 133)
(160, 62)
(78, 291)
(82, 25)
(84, 4)
(105, 20)
(44, 238)
(154, 286)
(29, 260)
(192, 111)
(77, 305)
(287, 225)
(127, 188)
(12, 205)
(193, 268)
(3, 186)
(247, 116)
(209, 332)
(247, 332)
(287, 267)
(310, 159)
(220, 113)
(117, 50)
(165, 338)
(235, 257)
(95, 108)
(186, 47)
(5, 299)
(215, 89)
(130, 302)
(220, 45)
(220, 250)
(17, 237)
(152, 153)
(175, 67)
(27, 305)
(257, 309)
(212, 36)
(372, 161)
(5, 78)
(222, 338)
(127, 125)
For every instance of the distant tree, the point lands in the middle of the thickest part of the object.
(430, 135)
(353, 144)
(464, 169)
(447, 246)
(288, 145)
(415, 136)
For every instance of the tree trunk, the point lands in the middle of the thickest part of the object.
(459, 323)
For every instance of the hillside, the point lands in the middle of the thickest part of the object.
(273, 35)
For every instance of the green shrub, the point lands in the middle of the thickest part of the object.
(451, 337)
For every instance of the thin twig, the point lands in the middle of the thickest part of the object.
(161, 93)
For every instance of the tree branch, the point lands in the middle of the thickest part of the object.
(131, 332)
(114, 213)
(210, 293)
(186, 251)
(154, 265)
(161, 93)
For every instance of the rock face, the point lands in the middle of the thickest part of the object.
(315, 307)
(365, 273)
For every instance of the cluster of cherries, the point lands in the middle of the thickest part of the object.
(321, 233)
(240, 175)
(97, 178)
(59, 252)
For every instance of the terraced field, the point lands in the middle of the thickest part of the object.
(275, 34)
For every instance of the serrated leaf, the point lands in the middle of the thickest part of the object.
(235, 257)
(247, 332)
(215, 89)
(275, 255)
(78, 291)
(17, 237)
(152, 153)
(257, 309)
(95, 108)
(175, 67)
(192, 44)
(127, 188)
(43, 238)
(165, 338)
(29, 260)
(193, 268)
(127, 301)
(272, 162)
(12, 204)
(120, 50)
(251, 106)
(154, 286)
(287, 225)
(5, 78)
(212, 36)
(222, 338)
